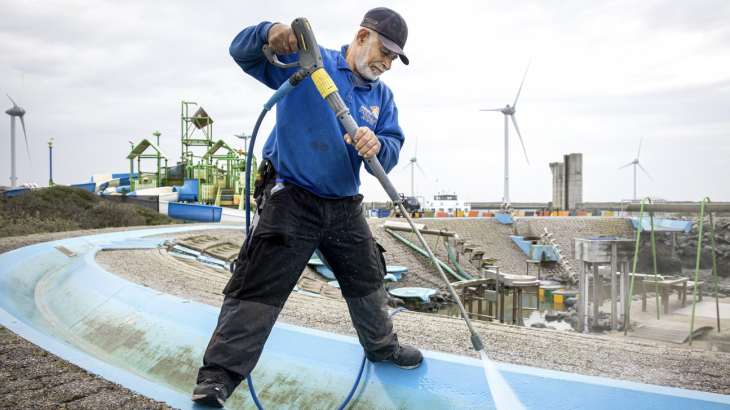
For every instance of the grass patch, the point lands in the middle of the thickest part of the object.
(63, 208)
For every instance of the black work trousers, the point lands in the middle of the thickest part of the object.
(291, 225)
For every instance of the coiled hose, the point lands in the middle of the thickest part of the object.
(354, 386)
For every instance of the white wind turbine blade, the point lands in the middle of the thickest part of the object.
(630, 163)
(514, 121)
(639, 153)
(14, 104)
(419, 167)
(523, 82)
(26, 140)
(409, 164)
(492, 109)
(642, 168)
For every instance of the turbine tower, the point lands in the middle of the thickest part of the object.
(16, 111)
(414, 161)
(509, 112)
(635, 162)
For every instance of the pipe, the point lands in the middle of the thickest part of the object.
(453, 260)
(680, 207)
(424, 253)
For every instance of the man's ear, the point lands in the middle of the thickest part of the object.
(362, 36)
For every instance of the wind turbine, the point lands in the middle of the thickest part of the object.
(16, 111)
(414, 161)
(509, 112)
(635, 162)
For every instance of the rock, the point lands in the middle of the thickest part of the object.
(571, 301)
(665, 263)
(539, 325)
(395, 302)
(551, 317)
(689, 259)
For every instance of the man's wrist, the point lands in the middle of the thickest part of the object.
(269, 30)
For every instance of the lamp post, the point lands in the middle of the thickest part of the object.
(131, 171)
(245, 138)
(157, 134)
(50, 162)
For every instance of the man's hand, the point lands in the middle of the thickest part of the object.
(282, 39)
(366, 142)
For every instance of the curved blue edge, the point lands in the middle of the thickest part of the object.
(152, 343)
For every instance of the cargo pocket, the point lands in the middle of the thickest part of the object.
(379, 250)
(235, 284)
(357, 226)
(280, 214)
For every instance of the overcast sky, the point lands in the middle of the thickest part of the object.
(603, 76)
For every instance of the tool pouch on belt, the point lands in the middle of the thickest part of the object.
(266, 172)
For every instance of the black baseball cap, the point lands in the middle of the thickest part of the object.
(391, 27)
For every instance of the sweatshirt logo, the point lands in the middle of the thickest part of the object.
(370, 115)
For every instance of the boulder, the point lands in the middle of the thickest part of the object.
(666, 264)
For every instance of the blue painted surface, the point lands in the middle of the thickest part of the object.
(14, 191)
(186, 250)
(504, 218)
(396, 271)
(89, 186)
(662, 225)
(212, 261)
(325, 271)
(124, 178)
(413, 293)
(188, 191)
(194, 212)
(153, 343)
(535, 252)
(182, 256)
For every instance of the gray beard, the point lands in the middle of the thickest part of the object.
(361, 62)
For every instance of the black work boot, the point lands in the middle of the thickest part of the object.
(210, 393)
(405, 357)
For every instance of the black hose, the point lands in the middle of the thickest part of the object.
(249, 158)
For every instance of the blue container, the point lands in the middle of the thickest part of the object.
(383, 213)
(194, 212)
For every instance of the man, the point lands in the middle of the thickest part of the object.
(319, 207)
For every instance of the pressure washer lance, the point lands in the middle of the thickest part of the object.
(310, 60)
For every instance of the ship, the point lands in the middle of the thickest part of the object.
(447, 204)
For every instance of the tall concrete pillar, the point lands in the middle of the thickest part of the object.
(557, 170)
(574, 180)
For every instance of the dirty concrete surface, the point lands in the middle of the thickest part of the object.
(28, 372)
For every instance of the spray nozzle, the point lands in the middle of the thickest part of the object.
(476, 341)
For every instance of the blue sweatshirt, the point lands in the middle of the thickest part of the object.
(306, 146)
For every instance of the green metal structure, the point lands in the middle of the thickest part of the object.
(219, 169)
(147, 180)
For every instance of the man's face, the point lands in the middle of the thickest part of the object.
(373, 59)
